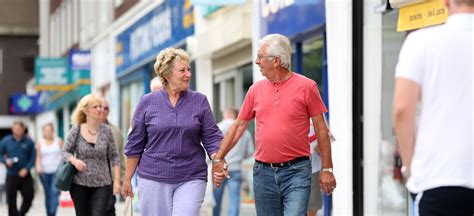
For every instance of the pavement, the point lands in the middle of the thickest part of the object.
(38, 208)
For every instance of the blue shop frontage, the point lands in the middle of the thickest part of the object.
(168, 25)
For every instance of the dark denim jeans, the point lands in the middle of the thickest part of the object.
(25, 185)
(51, 193)
(91, 201)
(282, 191)
(234, 184)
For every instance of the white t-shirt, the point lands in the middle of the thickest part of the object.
(50, 156)
(440, 59)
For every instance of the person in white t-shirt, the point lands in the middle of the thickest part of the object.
(47, 161)
(435, 71)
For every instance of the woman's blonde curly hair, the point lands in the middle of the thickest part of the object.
(79, 116)
(165, 62)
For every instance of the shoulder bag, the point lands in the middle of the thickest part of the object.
(66, 171)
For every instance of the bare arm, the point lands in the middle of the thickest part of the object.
(323, 140)
(327, 181)
(231, 138)
(39, 168)
(132, 163)
(407, 95)
(235, 131)
(61, 143)
(116, 181)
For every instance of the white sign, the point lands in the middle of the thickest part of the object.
(53, 75)
(273, 6)
(153, 33)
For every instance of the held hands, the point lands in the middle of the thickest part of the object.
(327, 181)
(127, 189)
(219, 172)
(79, 164)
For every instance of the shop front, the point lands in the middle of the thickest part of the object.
(385, 27)
(63, 82)
(168, 25)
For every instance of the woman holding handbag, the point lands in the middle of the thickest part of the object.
(47, 153)
(90, 154)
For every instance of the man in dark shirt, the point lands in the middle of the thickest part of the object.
(18, 153)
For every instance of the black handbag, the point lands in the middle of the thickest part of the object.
(66, 171)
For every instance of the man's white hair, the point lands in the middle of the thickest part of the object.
(155, 84)
(279, 46)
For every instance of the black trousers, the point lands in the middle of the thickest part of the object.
(91, 201)
(449, 201)
(25, 186)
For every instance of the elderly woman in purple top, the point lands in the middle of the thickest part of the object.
(169, 126)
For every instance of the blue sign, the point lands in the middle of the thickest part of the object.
(168, 24)
(291, 17)
(80, 60)
(26, 104)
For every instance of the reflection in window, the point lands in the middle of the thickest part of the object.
(393, 199)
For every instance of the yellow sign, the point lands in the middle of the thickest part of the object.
(422, 15)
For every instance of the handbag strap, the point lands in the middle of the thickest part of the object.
(77, 138)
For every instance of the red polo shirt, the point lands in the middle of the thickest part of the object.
(282, 111)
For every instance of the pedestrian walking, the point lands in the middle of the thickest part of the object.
(242, 150)
(119, 142)
(282, 105)
(168, 128)
(434, 73)
(18, 153)
(48, 154)
(91, 149)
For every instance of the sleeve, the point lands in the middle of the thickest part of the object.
(70, 145)
(246, 111)
(138, 137)
(112, 148)
(211, 135)
(410, 61)
(32, 155)
(315, 102)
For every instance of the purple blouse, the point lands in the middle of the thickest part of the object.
(168, 139)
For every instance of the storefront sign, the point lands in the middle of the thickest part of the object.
(291, 17)
(422, 15)
(26, 104)
(52, 73)
(79, 67)
(164, 26)
(80, 59)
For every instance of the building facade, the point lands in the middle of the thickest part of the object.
(18, 47)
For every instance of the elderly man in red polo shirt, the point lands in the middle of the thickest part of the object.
(282, 105)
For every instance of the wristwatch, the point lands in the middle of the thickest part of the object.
(216, 161)
(405, 172)
(326, 170)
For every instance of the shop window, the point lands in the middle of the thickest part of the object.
(313, 61)
(393, 199)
